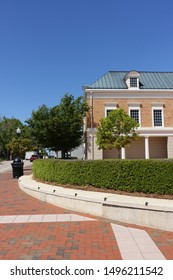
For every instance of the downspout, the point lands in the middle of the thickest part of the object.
(91, 125)
(85, 127)
(91, 111)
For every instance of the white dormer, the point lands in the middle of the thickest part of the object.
(132, 80)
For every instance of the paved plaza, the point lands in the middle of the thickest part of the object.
(32, 229)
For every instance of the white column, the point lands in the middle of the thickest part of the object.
(89, 148)
(147, 152)
(170, 147)
(98, 153)
(123, 153)
(92, 146)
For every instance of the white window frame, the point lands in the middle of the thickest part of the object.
(135, 107)
(129, 86)
(132, 74)
(162, 111)
(110, 107)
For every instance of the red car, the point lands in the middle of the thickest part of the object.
(33, 157)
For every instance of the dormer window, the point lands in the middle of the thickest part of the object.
(133, 82)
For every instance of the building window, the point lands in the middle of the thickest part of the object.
(134, 113)
(109, 107)
(108, 111)
(133, 82)
(157, 117)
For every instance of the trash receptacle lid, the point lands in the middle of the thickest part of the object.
(17, 159)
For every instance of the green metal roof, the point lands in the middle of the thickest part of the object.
(148, 80)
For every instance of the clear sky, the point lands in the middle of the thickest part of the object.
(51, 47)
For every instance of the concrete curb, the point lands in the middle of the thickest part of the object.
(150, 212)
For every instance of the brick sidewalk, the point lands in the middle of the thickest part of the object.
(64, 240)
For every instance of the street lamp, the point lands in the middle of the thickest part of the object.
(17, 164)
(18, 130)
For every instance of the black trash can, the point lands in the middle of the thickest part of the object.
(17, 167)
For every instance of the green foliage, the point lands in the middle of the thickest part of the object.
(147, 176)
(19, 146)
(9, 140)
(7, 132)
(8, 129)
(59, 127)
(39, 125)
(117, 130)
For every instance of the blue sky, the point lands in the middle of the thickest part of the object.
(51, 47)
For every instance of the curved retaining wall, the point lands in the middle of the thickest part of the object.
(150, 212)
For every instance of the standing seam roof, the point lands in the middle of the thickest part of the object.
(148, 80)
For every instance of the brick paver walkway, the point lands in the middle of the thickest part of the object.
(64, 240)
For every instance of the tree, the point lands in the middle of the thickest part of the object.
(39, 125)
(19, 146)
(60, 127)
(116, 131)
(7, 132)
(9, 138)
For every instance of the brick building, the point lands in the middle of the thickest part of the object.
(147, 97)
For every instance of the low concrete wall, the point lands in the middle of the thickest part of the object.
(150, 212)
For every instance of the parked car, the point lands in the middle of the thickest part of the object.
(33, 157)
(29, 154)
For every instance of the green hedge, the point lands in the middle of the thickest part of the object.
(148, 176)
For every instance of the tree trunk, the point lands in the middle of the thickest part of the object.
(62, 153)
(119, 153)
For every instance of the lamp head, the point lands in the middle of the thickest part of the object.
(18, 130)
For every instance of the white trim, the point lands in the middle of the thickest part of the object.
(128, 82)
(96, 90)
(157, 104)
(134, 104)
(155, 131)
(124, 94)
(147, 152)
(123, 153)
(145, 131)
(132, 75)
(110, 106)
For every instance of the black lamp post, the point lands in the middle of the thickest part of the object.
(18, 131)
(17, 164)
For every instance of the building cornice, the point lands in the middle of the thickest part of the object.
(155, 131)
(146, 131)
(123, 93)
(125, 90)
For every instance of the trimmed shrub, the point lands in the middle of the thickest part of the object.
(147, 176)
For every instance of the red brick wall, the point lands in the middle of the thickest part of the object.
(98, 110)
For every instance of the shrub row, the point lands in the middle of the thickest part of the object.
(148, 176)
